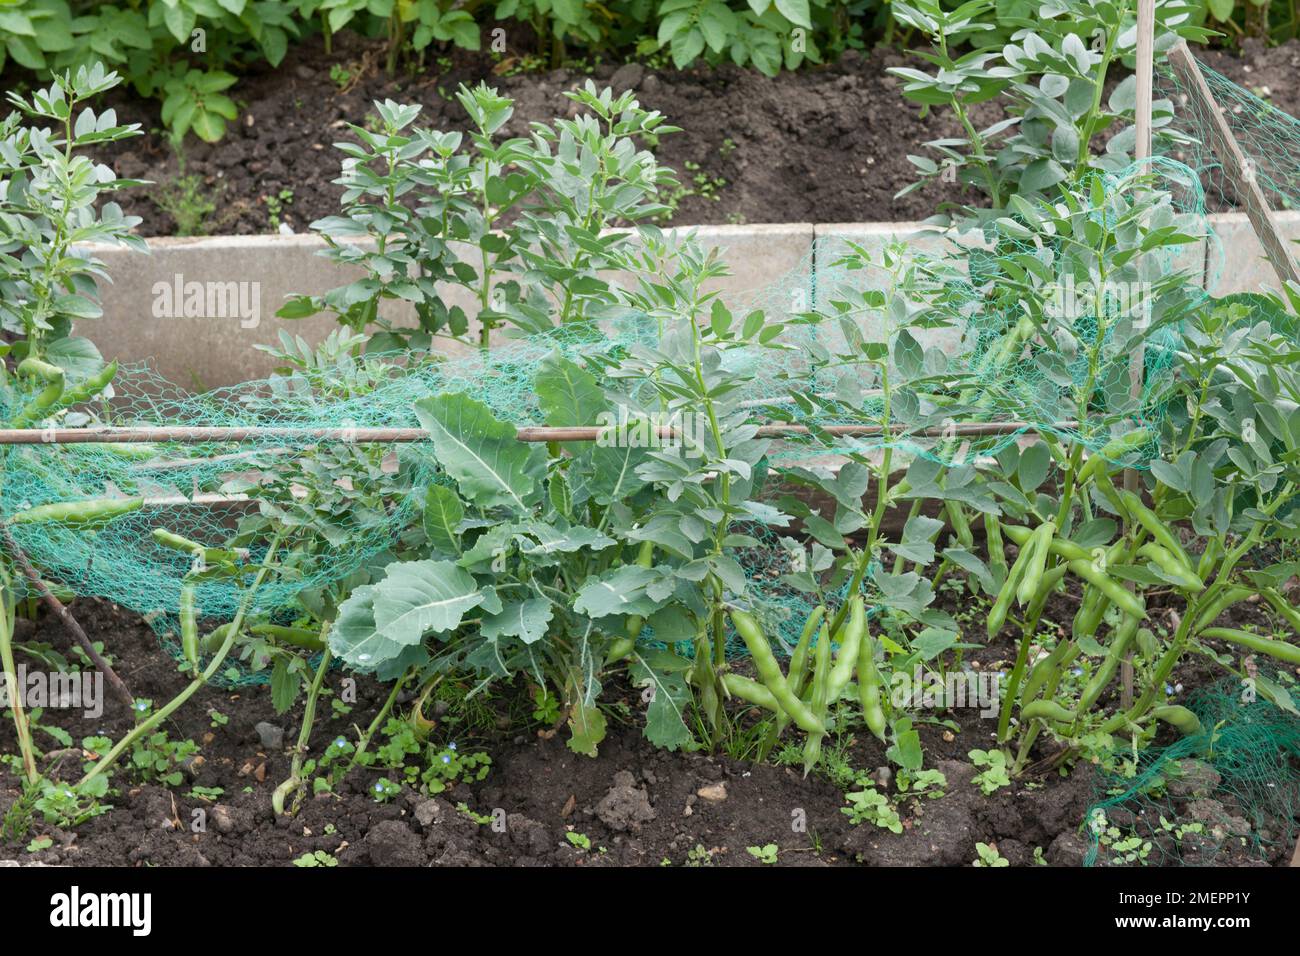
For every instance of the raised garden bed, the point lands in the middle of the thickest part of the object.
(949, 553)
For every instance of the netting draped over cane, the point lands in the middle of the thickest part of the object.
(966, 349)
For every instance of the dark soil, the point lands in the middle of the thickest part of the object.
(635, 804)
(823, 145)
(828, 145)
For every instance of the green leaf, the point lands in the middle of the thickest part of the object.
(796, 11)
(666, 695)
(620, 591)
(208, 126)
(586, 729)
(568, 394)
(284, 685)
(612, 472)
(378, 622)
(443, 513)
(906, 751)
(1035, 460)
(490, 466)
(1040, 174)
(76, 356)
(686, 46)
(526, 620)
(916, 545)
(416, 597)
(933, 641)
(1222, 9)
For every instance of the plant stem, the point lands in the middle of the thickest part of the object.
(21, 727)
(174, 704)
(294, 783)
(380, 717)
(1022, 662)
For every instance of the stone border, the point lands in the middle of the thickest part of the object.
(199, 353)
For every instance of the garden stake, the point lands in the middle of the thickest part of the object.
(1145, 70)
(116, 683)
(532, 434)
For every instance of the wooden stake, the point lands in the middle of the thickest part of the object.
(1240, 170)
(534, 434)
(115, 683)
(1145, 67)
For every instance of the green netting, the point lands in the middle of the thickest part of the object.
(957, 296)
(1228, 794)
(1267, 136)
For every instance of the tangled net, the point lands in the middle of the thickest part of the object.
(1229, 794)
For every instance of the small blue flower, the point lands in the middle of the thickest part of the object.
(446, 759)
(379, 788)
(1076, 671)
(340, 742)
(1169, 689)
(452, 745)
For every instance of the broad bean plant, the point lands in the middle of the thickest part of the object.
(518, 226)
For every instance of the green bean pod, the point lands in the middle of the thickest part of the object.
(176, 542)
(769, 672)
(812, 748)
(133, 451)
(993, 541)
(1040, 672)
(189, 628)
(960, 526)
(78, 513)
(869, 687)
(1120, 596)
(1090, 614)
(1002, 604)
(306, 638)
(1280, 650)
(1229, 597)
(1038, 547)
(47, 398)
(1213, 551)
(1283, 607)
(1182, 719)
(1156, 528)
(750, 690)
(1110, 663)
(88, 388)
(1059, 546)
(846, 660)
(799, 661)
(1114, 450)
(1046, 710)
(1166, 562)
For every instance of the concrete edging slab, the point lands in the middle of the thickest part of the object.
(254, 274)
